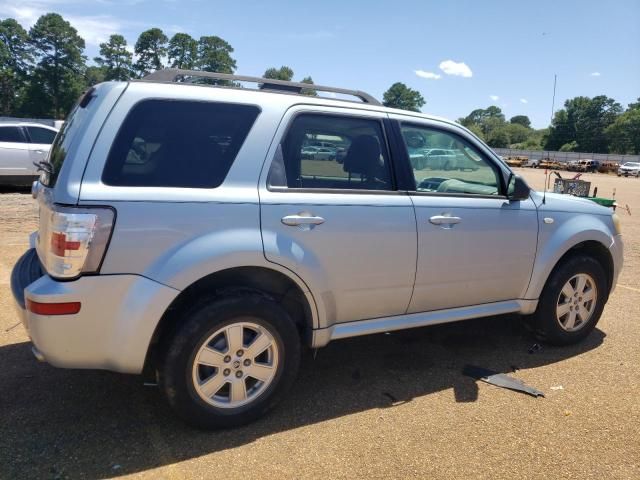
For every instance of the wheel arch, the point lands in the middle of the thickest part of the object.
(245, 280)
(593, 248)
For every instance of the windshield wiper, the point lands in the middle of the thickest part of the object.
(44, 166)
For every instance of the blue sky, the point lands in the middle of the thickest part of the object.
(510, 50)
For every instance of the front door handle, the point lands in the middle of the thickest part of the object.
(445, 220)
(302, 220)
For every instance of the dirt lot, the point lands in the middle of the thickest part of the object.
(373, 407)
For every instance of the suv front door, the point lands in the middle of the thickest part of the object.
(338, 220)
(474, 245)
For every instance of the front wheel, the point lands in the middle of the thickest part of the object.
(571, 302)
(232, 360)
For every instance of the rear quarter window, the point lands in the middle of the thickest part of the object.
(177, 143)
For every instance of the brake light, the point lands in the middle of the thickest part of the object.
(73, 240)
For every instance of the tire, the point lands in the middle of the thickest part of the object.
(547, 323)
(184, 379)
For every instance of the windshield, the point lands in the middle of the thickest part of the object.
(631, 164)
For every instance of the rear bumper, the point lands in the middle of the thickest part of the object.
(113, 328)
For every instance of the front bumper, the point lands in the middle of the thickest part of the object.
(617, 251)
(113, 329)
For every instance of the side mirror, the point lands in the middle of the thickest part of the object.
(518, 189)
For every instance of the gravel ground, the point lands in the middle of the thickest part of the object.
(383, 406)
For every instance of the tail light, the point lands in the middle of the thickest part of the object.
(73, 241)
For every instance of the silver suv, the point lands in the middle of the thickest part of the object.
(185, 234)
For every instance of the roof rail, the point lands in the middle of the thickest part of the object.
(172, 75)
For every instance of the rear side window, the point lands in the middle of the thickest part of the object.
(332, 152)
(169, 143)
(11, 134)
(41, 135)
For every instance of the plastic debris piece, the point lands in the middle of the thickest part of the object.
(557, 387)
(500, 380)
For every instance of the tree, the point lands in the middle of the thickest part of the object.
(308, 91)
(182, 51)
(517, 132)
(115, 59)
(481, 116)
(283, 73)
(94, 75)
(561, 131)
(584, 120)
(624, 133)
(521, 120)
(150, 48)
(15, 59)
(402, 97)
(57, 79)
(214, 55)
(498, 137)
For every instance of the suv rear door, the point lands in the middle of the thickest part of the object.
(339, 223)
(474, 245)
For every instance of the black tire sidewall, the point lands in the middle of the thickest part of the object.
(199, 324)
(545, 323)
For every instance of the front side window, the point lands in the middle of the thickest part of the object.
(11, 134)
(443, 162)
(332, 152)
(41, 135)
(188, 144)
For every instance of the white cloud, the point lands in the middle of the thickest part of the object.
(495, 98)
(428, 75)
(524, 100)
(594, 74)
(93, 28)
(458, 69)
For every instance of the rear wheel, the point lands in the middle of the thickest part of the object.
(571, 302)
(232, 360)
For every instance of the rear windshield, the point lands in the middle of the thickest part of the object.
(61, 145)
(176, 143)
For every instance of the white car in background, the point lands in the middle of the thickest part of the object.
(629, 169)
(21, 145)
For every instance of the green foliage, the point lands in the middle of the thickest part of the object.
(521, 120)
(94, 75)
(402, 97)
(183, 51)
(57, 80)
(15, 59)
(214, 55)
(150, 48)
(624, 133)
(283, 73)
(584, 121)
(308, 91)
(115, 59)
(569, 147)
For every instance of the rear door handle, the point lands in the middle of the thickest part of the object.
(302, 220)
(445, 220)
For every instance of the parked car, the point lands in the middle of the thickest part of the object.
(532, 163)
(588, 166)
(573, 165)
(21, 146)
(183, 237)
(629, 169)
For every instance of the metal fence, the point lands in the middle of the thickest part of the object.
(566, 156)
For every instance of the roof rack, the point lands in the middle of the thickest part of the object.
(172, 75)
